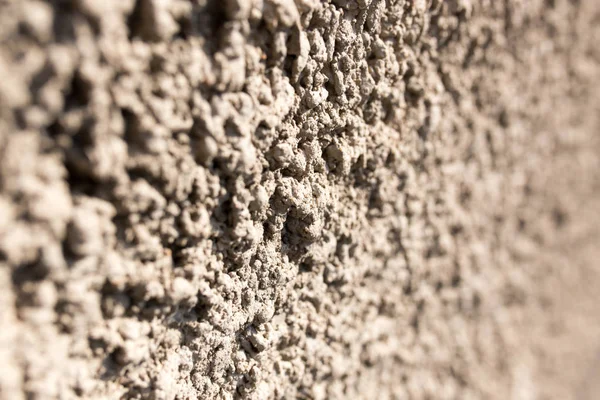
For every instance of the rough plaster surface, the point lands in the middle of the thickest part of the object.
(278, 199)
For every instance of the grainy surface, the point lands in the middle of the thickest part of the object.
(277, 199)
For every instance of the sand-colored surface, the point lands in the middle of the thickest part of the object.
(299, 199)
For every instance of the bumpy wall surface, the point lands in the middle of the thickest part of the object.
(299, 199)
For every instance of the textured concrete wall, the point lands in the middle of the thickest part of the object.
(279, 199)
